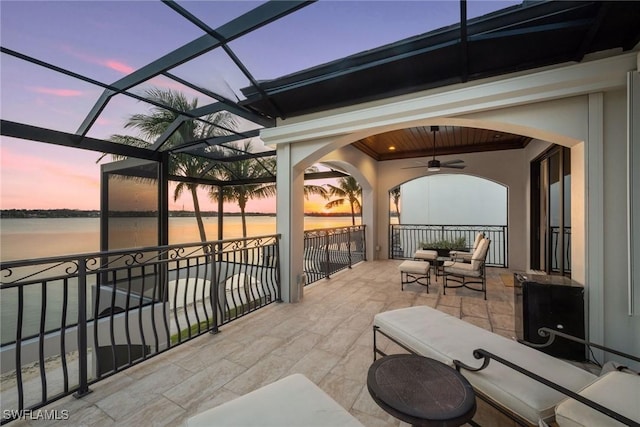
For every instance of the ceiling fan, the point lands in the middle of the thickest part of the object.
(434, 165)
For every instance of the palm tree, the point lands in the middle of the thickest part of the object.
(347, 190)
(395, 194)
(154, 124)
(245, 169)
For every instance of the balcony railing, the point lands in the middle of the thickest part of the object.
(405, 239)
(68, 322)
(329, 250)
(561, 254)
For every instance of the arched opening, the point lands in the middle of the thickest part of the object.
(448, 210)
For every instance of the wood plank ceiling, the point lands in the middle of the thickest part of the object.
(418, 142)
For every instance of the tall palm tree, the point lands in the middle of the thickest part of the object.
(245, 169)
(347, 190)
(154, 123)
(395, 195)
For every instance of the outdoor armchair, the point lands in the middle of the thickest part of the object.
(465, 274)
(464, 255)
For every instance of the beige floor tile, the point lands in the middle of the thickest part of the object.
(341, 389)
(162, 412)
(267, 370)
(315, 365)
(339, 341)
(203, 383)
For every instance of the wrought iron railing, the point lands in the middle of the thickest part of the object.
(68, 322)
(329, 250)
(561, 254)
(405, 239)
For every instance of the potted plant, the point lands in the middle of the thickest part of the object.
(443, 246)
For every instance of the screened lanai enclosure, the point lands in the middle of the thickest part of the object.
(172, 99)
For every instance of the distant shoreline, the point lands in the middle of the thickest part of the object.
(76, 213)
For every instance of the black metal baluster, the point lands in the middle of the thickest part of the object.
(112, 310)
(19, 347)
(63, 334)
(43, 314)
(127, 307)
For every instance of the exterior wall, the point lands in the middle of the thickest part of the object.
(581, 106)
(453, 199)
(620, 329)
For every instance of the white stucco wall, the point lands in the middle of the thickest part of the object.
(453, 199)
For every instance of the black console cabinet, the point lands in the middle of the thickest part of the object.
(555, 302)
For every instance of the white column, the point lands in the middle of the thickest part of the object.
(369, 218)
(290, 223)
(594, 159)
(633, 189)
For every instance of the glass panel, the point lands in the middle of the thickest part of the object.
(215, 14)
(544, 209)
(555, 211)
(330, 30)
(166, 85)
(133, 207)
(41, 97)
(36, 178)
(216, 72)
(104, 40)
(476, 8)
(567, 208)
(115, 115)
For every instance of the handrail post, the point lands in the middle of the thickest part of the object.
(83, 386)
(349, 245)
(215, 285)
(327, 267)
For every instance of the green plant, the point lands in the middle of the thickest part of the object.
(454, 244)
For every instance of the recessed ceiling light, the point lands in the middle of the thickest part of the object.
(497, 135)
(392, 147)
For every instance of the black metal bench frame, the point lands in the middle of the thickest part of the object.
(486, 357)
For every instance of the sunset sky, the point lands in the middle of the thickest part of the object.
(108, 40)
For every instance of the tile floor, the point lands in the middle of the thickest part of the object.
(327, 337)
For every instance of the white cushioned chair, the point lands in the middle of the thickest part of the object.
(464, 255)
(466, 274)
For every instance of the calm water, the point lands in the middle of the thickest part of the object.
(45, 237)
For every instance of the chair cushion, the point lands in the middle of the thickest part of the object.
(415, 267)
(434, 334)
(461, 269)
(480, 254)
(426, 254)
(616, 390)
(291, 401)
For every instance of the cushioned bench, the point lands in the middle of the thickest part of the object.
(435, 334)
(615, 390)
(291, 401)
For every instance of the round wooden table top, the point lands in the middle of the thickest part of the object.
(421, 391)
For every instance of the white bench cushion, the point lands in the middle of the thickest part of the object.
(414, 267)
(434, 334)
(426, 254)
(617, 391)
(291, 401)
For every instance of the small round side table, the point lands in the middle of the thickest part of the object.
(421, 391)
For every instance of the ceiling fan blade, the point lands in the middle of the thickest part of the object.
(453, 166)
(414, 167)
(450, 162)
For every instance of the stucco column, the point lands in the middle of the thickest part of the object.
(594, 159)
(369, 218)
(290, 223)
